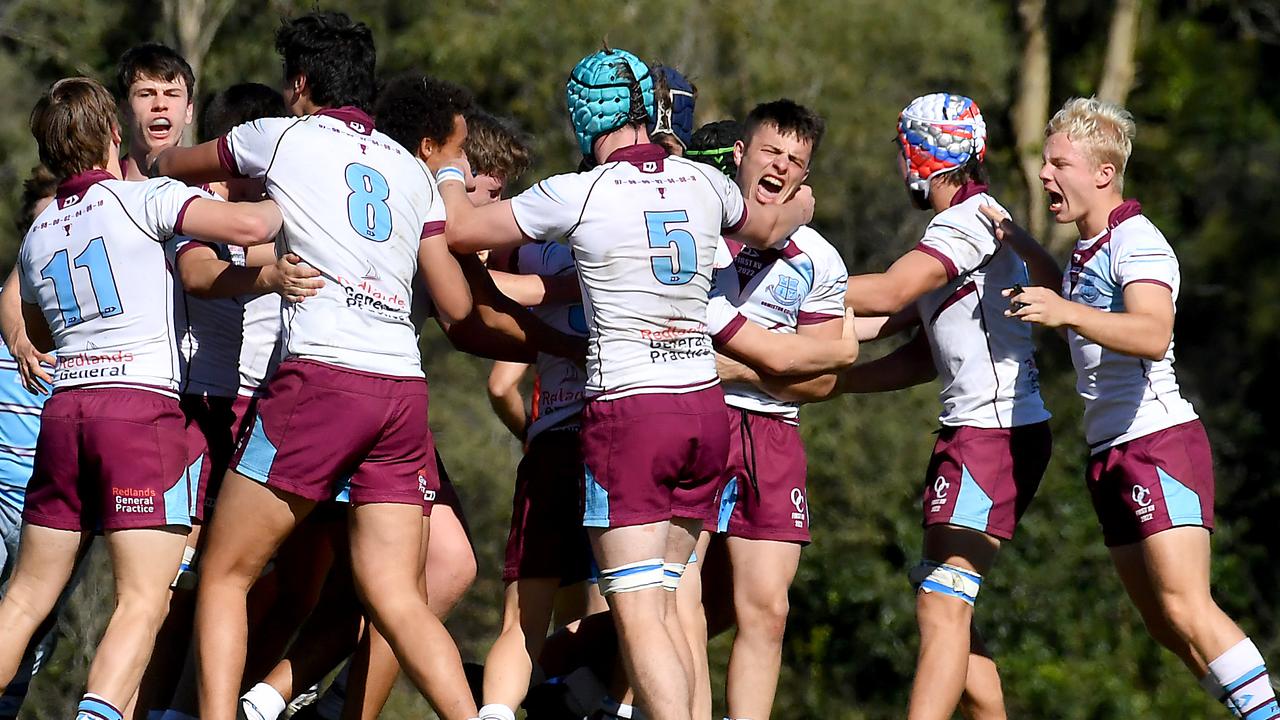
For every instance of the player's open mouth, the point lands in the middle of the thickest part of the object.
(160, 128)
(1055, 201)
(769, 189)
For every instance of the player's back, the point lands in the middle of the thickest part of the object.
(19, 427)
(95, 264)
(559, 392)
(355, 207)
(644, 233)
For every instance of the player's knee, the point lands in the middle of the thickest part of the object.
(943, 581)
(147, 608)
(765, 615)
(1182, 613)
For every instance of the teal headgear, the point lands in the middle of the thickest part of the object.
(607, 90)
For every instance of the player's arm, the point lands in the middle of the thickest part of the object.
(34, 360)
(768, 225)
(206, 275)
(472, 229)
(794, 388)
(779, 354)
(231, 223)
(907, 366)
(880, 327)
(32, 364)
(886, 293)
(1143, 330)
(501, 329)
(444, 278)
(505, 397)
(532, 290)
(1041, 267)
(192, 165)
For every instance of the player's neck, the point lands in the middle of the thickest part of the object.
(621, 138)
(940, 195)
(131, 165)
(1095, 220)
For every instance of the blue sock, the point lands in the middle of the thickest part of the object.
(96, 707)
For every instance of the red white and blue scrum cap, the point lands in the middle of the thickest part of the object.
(940, 132)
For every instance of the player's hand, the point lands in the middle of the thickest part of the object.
(804, 196)
(295, 280)
(33, 366)
(1041, 306)
(849, 337)
(1003, 227)
(731, 370)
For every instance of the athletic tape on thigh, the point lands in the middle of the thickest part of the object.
(671, 574)
(631, 577)
(187, 574)
(950, 580)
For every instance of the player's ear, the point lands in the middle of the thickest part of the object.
(1104, 175)
(739, 148)
(426, 148)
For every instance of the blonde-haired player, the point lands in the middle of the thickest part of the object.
(1150, 470)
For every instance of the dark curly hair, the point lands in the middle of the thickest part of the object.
(414, 107)
(40, 184)
(335, 54)
(238, 104)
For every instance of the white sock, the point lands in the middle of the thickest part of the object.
(497, 712)
(617, 709)
(262, 702)
(1242, 673)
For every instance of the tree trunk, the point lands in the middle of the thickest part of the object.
(1030, 111)
(190, 26)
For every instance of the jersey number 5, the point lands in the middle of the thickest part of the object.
(367, 204)
(680, 266)
(103, 282)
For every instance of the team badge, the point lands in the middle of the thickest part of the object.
(786, 290)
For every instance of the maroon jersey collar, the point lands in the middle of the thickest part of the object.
(73, 188)
(967, 191)
(354, 117)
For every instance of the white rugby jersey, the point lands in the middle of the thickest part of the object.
(94, 261)
(1125, 397)
(644, 229)
(561, 383)
(986, 361)
(801, 282)
(260, 344)
(355, 206)
(209, 329)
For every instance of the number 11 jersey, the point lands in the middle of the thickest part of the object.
(356, 206)
(95, 264)
(644, 228)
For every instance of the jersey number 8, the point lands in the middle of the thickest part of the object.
(679, 267)
(103, 282)
(367, 204)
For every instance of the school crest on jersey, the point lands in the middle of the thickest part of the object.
(786, 290)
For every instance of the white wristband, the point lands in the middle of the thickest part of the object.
(449, 174)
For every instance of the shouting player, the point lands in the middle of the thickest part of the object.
(349, 402)
(797, 286)
(112, 325)
(1150, 470)
(994, 443)
(644, 228)
(158, 88)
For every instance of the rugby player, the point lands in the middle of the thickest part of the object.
(994, 443)
(363, 211)
(89, 438)
(644, 228)
(158, 89)
(1150, 469)
(797, 286)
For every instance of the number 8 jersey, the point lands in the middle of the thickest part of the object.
(644, 228)
(356, 206)
(94, 262)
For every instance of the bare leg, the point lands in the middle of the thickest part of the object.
(763, 573)
(653, 658)
(983, 697)
(251, 522)
(144, 562)
(943, 664)
(385, 560)
(46, 559)
(693, 620)
(526, 614)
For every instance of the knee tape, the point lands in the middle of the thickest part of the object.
(671, 574)
(946, 579)
(631, 577)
